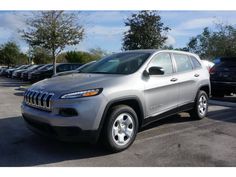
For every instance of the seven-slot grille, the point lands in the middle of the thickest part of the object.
(38, 99)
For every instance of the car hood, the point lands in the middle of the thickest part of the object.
(74, 82)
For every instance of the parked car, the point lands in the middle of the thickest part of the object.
(3, 70)
(17, 73)
(223, 76)
(48, 72)
(24, 74)
(74, 71)
(43, 68)
(11, 70)
(118, 95)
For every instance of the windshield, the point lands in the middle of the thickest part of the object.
(120, 63)
(32, 67)
(46, 67)
(21, 67)
(85, 66)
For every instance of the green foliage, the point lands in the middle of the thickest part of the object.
(98, 52)
(166, 47)
(81, 57)
(211, 44)
(53, 30)
(146, 31)
(40, 55)
(10, 54)
(61, 58)
(22, 59)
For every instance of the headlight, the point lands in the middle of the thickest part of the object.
(83, 93)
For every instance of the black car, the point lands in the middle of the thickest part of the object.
(74, 71)
(11, 70)
(40, 69)
(3, 71)
(24, 74)
(17, 73)
(223, 76)
(48, 72)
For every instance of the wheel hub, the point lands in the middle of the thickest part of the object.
(123, 129)
(202, 105)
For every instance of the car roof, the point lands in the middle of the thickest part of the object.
(159, 50)
(152, 51)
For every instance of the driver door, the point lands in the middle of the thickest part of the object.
(161, 91)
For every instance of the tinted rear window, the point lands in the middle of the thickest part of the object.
(226, 62)
(195, 62)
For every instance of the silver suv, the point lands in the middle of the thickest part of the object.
(116, 96)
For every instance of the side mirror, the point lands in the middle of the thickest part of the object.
(155, 70)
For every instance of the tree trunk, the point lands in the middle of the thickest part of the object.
(54, 63)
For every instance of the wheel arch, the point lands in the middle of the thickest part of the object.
(205, 88)
(132, 101)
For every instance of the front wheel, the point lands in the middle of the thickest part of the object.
(200, 106)
(121, 128)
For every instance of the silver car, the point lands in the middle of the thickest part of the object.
(116, 96)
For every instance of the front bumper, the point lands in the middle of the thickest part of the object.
(67, 134)
(53, 124)
(35, 78)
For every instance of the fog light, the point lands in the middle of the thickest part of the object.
(68, 112)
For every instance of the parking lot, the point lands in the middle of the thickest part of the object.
(175, 141)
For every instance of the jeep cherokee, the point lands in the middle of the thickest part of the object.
(116, 96)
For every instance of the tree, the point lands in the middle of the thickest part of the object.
(10, 53)
(22, 59)
(53, 30)
(212, 44)
(168, 47)
(1, 55)
(81, 57)
(40, 55)
(146, 31)
(98, 52)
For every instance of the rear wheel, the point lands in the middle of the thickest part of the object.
(201, 106)
(121, 128)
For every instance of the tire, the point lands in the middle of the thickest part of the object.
(200, 106)
(121, 128)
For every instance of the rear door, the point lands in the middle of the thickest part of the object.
(187, 78)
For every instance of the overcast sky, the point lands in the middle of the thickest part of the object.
(105, 29)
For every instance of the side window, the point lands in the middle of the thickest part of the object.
(163, 60)
(62, 68)
(195, 62)
(74, 66)
(183, 63)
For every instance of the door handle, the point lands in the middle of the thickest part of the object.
(196, 75)
(173, 79)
